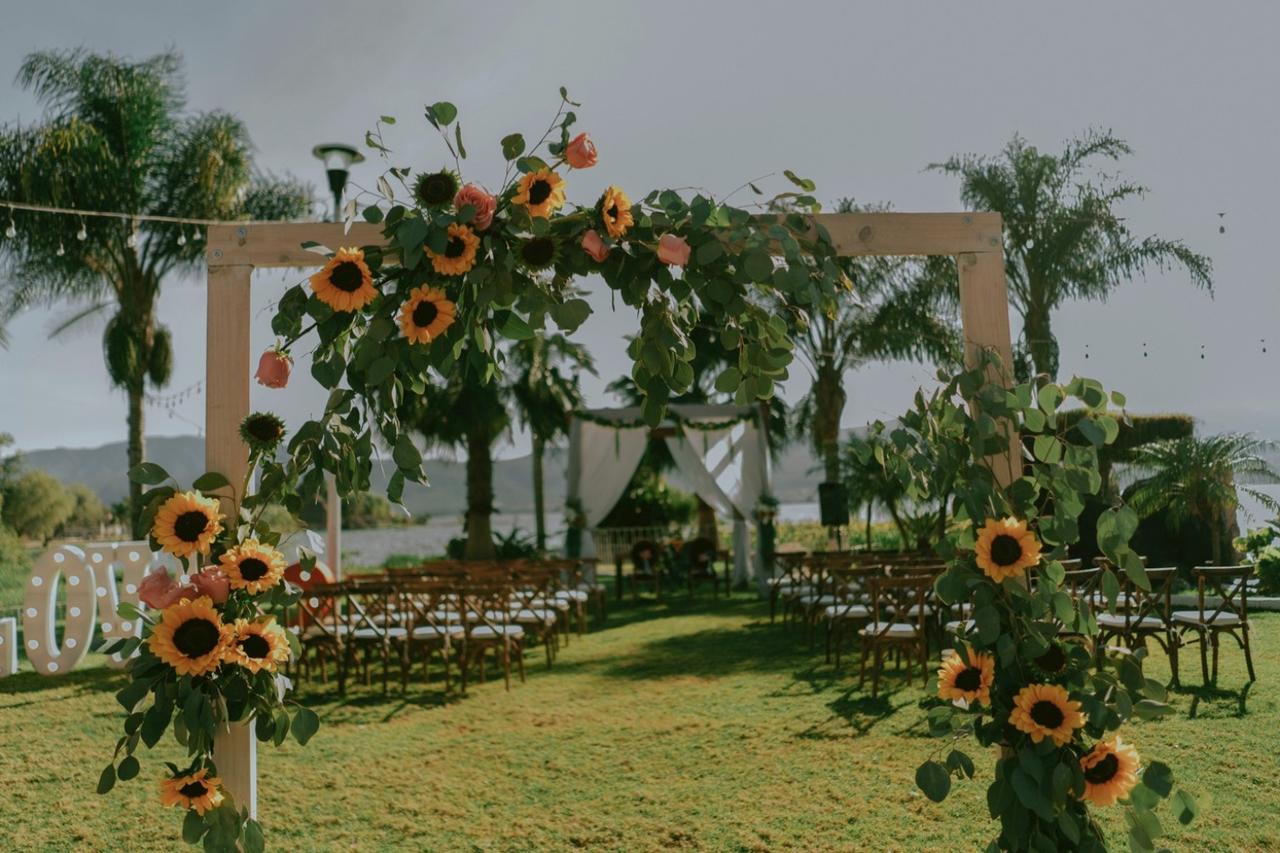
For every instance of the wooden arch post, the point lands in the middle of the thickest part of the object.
(233, 252)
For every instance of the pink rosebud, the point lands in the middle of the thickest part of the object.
(273, 368)
(581, 152)
(673, 250)
(594, 246)
(484, 205)
(213, 583)
(158, 590)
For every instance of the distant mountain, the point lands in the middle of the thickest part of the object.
(103, 470)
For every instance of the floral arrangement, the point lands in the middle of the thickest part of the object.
(1027, 679)
(462, 269)
(212, 645)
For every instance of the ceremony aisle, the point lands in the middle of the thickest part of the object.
(686, 725)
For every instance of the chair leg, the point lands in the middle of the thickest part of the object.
(1248, 655)
(830, 623)
(875, 673)
(1204, 657)
(1216, 637)
(1175, 640)
(862, 663)
(506, 665)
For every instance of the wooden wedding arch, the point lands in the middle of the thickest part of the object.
(234, 251)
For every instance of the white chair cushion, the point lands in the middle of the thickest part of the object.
(1192, 617)
(914, 610)
(961, 626)
(437, 631)
(817, 600)
(1116, 621)
(889, 629)
(847, 611)
(486, 631)
(572, 595)
(379, 633)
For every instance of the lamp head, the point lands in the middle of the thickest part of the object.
(338, 160)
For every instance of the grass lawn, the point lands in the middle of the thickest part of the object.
(690, 726)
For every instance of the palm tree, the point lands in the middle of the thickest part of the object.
(545, 397)
(114, 137)
(897, 309)
(1199, 478)
(465, 412)
(1063, 237)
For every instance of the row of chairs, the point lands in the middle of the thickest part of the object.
(689, 564)
(463, 613)
(886, 600)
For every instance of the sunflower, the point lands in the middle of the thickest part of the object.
(196, 790)
(1053, 662)
(190, 636)
(459, 254)
(252, 566)
(615, 210)
(1006, 548)
(1046, 710)
(436, 189)
(538, 253)
(1110, 772)
(970, 681)
(541, 193)
(426, 314)
(257, 645)
(345, 283)
(187, 523)
(262, 431)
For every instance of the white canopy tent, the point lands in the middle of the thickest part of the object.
(721, 452)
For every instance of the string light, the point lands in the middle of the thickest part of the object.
(61, 249)
(82, 234)
(182, 239)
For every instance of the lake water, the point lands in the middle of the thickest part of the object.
(372, 547)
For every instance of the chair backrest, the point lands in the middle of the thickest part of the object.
(1156, 602)
(1082, 584)
(485, 602)
(427, 602)
(1230, 584)
(699, 554)
(644, 555)
(849, 584)
(370, 604)
(900, 600)
(319, 611)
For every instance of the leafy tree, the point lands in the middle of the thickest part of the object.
(897, 308)
(36, 505)
(115, 137)
(88, 514)
(1064, 238)
(546, 391)
(1199, 479)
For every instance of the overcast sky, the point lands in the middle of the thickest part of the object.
(859, 96)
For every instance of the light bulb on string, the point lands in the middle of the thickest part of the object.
(11, 231)
(132, 240)
(61, 249)
(182, 239)
(82, 234)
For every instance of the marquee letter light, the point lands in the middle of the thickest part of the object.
(118, 569)
(8, 646)
(64, 563)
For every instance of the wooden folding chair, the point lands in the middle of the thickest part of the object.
(852, 607)
(487, 627)
(699, 557)
(891, 596)
(1229, 616)
(533, 607)
(374, 622)
(317, 622)
(435, 625)
(791, 564)
(1147, 616)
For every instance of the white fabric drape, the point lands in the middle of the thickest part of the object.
(607, 457)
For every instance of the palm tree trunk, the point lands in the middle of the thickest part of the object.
(539, 509)
(137, 452)
(1215, 537)
(1041, 344)
(479, 491)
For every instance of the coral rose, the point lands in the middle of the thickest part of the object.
(158, 590)
(594, 246)
(673, 250)
(484, 205)
(273, 368)
(213, 583)
(580, 153)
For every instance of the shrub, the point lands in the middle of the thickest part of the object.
(650, 502)
(36, 505)
(88, 515)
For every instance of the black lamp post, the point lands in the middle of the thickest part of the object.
(338, 160)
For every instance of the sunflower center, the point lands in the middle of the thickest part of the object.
(255, 646)
(190, 525)
(263, 429)
(436, 189)
(253, 569)
(455, 248)
(425, 313)
(613, 212)
(347, 277)
(193, 790)
(195, 638)
(1053, 660)
(539, 190)
(1047, 715)
(969, 678)
(538, 252)
(1104, 771)
(1005, 550)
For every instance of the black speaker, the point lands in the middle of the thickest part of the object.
(833, 504)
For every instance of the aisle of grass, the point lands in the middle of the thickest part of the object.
(687, 726)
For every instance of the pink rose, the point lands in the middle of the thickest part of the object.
(213, 583)
(673, 250)
(594, 246)
(484, 205)
(273, 368)
(158, 590)
(581, 152)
